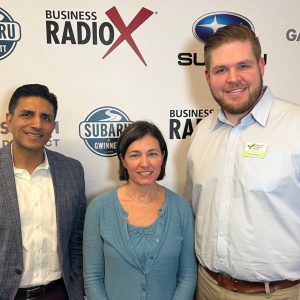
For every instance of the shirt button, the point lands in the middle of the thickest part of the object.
(17, 271)
(157, 240)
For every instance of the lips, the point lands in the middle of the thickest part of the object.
(236, 91)
(145, 173)
(34, 134)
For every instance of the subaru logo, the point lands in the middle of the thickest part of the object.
(207, 25)
(102, 128)
(10, 34)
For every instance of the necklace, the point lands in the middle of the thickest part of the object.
(147, 202)
(153, 198)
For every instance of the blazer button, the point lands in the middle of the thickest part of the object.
(19, 272)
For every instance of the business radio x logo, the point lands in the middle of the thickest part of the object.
(10, 34)
(126, 32)
(84, 27)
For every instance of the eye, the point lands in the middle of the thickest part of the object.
(220, 71)
(153, 153)
(26, 114)
(244, 67)
(134, 155)
(47, 118)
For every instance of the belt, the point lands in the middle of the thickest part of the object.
(249, 287)
(35, 292)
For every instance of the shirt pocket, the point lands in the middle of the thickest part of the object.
(262, 174)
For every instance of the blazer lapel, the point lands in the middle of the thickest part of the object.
(8, 194)
(56, 174)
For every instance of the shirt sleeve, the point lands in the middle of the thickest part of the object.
(187, 271)
(93, 257)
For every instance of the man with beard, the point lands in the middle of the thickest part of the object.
(243, 178)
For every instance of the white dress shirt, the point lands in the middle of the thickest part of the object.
(38, 221)
(247, 204)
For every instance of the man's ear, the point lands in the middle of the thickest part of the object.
(207, 76)
(261, 65)
(9, 118)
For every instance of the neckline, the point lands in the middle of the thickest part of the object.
(124, 213)
(148, 227)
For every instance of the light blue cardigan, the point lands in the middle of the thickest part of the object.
(111, 268)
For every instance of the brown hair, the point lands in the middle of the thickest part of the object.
(231, 33)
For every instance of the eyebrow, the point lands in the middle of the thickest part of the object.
(246, 61)
(31, 111)
(154, 149)
(46, 114)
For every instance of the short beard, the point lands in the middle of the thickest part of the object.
(247, 107)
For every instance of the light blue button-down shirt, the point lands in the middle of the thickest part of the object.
(248, 208)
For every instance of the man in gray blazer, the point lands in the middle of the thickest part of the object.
(42, 205)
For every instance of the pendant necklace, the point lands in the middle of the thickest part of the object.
(146, 203)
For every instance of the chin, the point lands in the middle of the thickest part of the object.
(147, 182)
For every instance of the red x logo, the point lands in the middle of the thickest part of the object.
(126, 32)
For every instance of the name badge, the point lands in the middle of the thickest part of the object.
(255, 150)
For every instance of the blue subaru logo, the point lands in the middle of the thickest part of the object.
(102, 128)
(10, 34)
(207, 25)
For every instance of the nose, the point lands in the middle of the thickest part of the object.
(233, 75)
(36, 122)
(144, 160)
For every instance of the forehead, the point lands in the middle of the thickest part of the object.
(145, 142)
(232, 52)
(34, 103)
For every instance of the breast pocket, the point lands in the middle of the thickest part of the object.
(262, 174)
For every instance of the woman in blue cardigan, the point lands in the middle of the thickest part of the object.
(139, 237)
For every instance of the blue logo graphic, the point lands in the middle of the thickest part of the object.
(10, 34)
(102, 128)
(208, 24)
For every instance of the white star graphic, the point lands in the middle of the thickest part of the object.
(214, 25)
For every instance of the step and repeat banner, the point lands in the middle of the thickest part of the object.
(114, 62)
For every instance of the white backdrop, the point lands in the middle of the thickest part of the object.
(85, 82)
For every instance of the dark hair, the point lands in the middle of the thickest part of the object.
(136, 131)
(28, 90)
(231, 33)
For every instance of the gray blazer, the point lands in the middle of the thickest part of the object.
(68, 180)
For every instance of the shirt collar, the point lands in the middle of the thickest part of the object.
(259, 113)
(43, 166)
(261, 110)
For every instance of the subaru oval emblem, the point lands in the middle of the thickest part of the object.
(207, 25)
(10, 34)
(102, 128)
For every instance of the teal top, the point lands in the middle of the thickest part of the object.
(125, 262)
(143, 239)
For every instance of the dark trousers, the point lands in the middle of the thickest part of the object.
(58, 292)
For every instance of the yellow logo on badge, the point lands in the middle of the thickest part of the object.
(255, 150)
